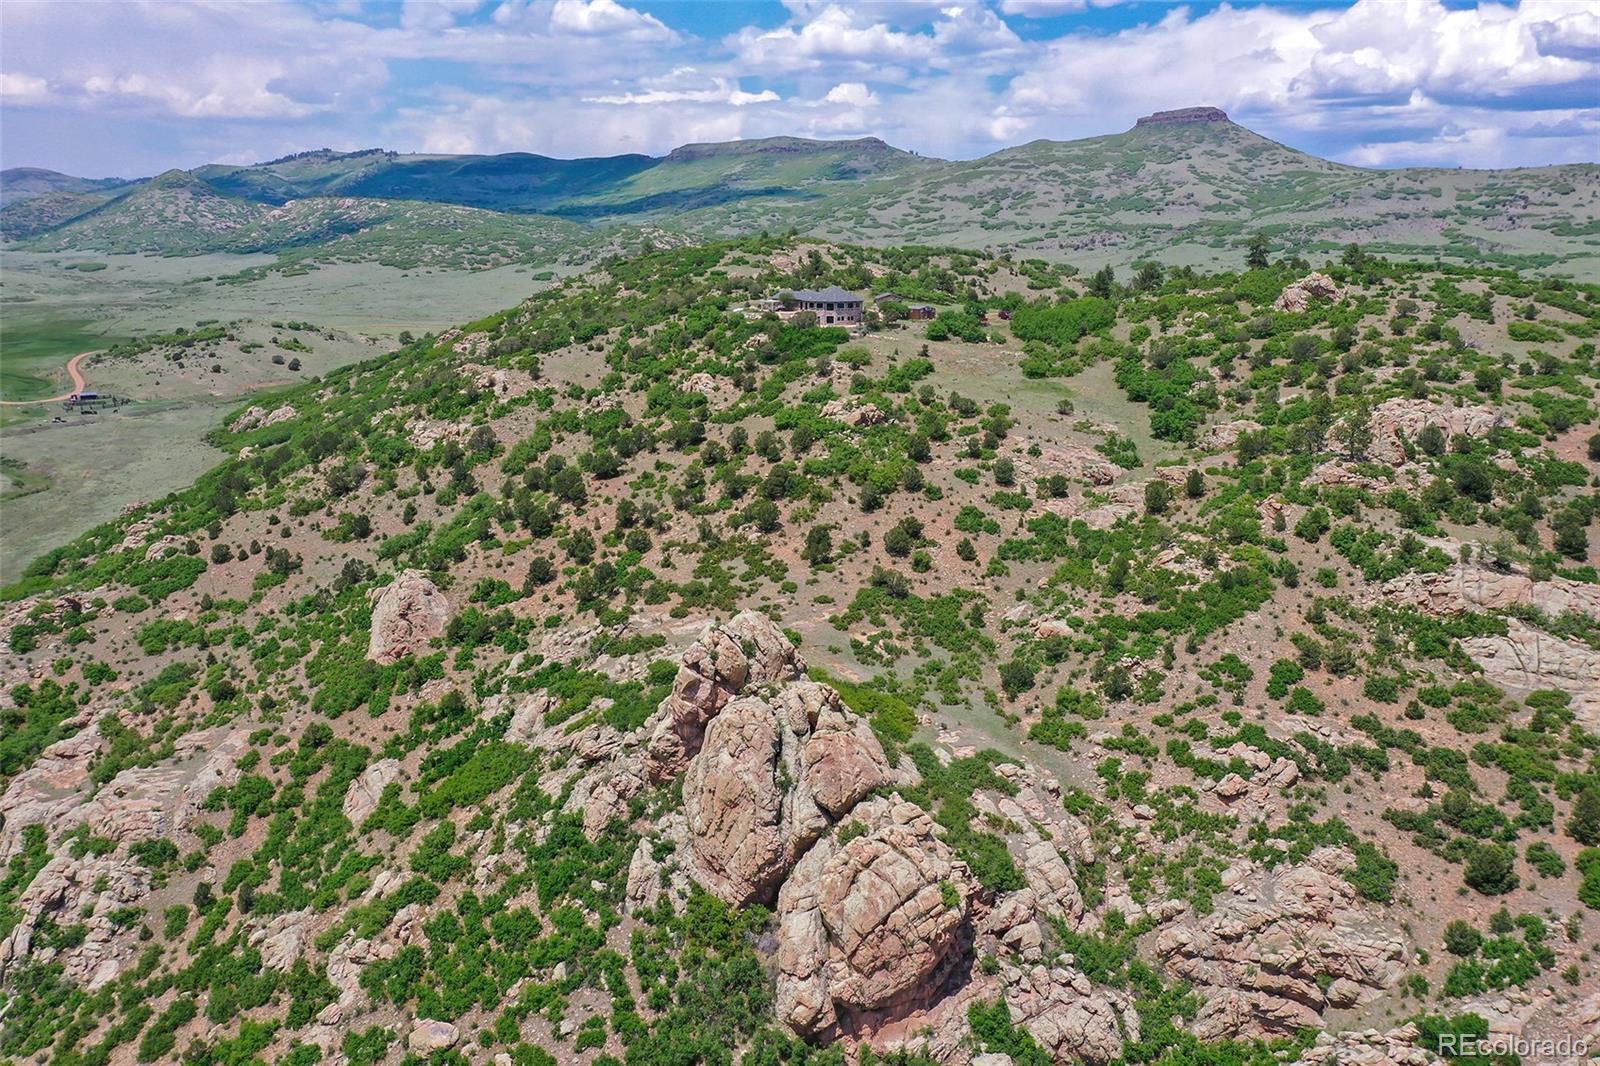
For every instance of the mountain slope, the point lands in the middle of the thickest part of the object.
(516, 181)
(1205, 671)
(174, 213)
(1188, 190)
(22, 183)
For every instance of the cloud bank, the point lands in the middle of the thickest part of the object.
(133, 87)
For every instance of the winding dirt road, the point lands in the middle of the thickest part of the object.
(78, 384)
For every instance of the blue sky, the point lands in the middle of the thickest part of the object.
(132, 87)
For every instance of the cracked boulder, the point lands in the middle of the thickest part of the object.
(1067, 1014)
(747, 651)
(874, 924)
(770, 778)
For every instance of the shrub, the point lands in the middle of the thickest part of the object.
(1491, 870)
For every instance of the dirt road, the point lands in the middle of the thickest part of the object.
(78, 384)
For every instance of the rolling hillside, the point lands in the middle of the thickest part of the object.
(1203, 672)
(1186, 190)
(25, 183)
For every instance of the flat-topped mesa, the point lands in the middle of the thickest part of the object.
(1183, 116)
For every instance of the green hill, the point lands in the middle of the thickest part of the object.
(24, 183)
(1188, 187)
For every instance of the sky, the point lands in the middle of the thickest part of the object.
(131, 88)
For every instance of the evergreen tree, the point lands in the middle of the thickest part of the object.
(1584, 825)
(1256, 257)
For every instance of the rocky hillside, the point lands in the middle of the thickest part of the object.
(1202, 669)
(1186, 186)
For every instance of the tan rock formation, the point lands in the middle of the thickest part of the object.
(1401, 417)
(407, 614)
(769, 779)
(1068, 1015)
(871, 924)
(362, 797)
(748, 650)
(1465, 587)
(1259, 959)
(1314, 286)
(1528, 659)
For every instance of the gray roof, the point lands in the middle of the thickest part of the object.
(832, 294)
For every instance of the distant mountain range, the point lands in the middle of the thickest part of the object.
(1189, 186)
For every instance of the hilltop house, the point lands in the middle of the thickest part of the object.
(833, 306)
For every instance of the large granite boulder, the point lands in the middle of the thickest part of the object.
(771, 776)
(406, 615)
(871, 924)
(745, 652)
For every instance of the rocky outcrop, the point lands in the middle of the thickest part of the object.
(1261, 958)
(1464, 587)
(1068, 1015)
(1183, 116)
(1314, 286)
(43, 794)
(770, 777)
(1075, 462)
(364, 793)
(148, 802)
(1527, 659)
(1402, 419)
(167, 546)
(284, 938)
(1226, 434)
(82, 891)
(406, 615)
(746, 651)
(870, 924)
(1037, 847)
(854, 412)
(259, 417)
(1369, 1047)
(427, 433)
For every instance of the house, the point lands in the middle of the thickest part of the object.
(922, 313)
(889, 298)
(833, 306)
